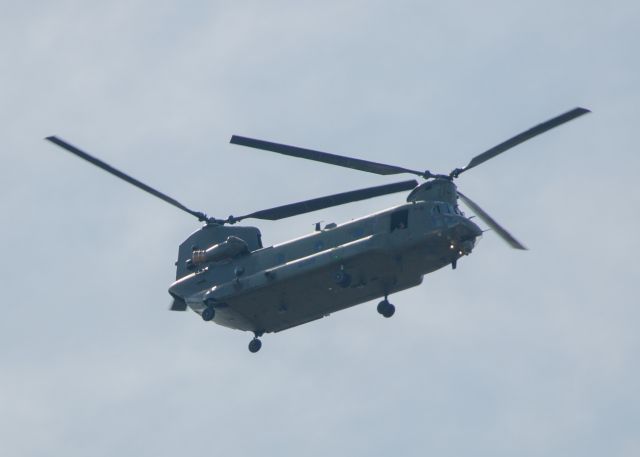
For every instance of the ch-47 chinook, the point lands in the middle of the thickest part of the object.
(226, 276)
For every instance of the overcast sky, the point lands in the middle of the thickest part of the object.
(514, 353)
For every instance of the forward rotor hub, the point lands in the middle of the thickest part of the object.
(440, 189)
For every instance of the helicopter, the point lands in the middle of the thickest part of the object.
(226, 275)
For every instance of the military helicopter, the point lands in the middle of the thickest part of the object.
(227, 276)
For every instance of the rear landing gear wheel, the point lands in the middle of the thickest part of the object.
(255, 345)
(386, 309)
(208, 314)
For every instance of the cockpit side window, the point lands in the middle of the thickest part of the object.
(444, 208)
(399, 220)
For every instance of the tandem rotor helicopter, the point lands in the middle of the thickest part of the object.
(227, 276)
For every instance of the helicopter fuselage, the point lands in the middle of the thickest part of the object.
(281, 286)
(226, 275)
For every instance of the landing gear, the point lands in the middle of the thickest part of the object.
(208, 314)
(386, 309)
(255, 345)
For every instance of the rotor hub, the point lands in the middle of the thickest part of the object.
(440, 189)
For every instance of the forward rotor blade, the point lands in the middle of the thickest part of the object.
(293, 209)
(491, 223)
(318, 156)
(108, 168)
(521, 138)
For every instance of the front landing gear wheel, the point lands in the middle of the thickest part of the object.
(208, 314)
(386, 309)
(255, 345)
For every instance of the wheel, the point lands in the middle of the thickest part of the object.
(342, 278)
(255, 345)
(386, 309)
(389, 311)
(208, 314)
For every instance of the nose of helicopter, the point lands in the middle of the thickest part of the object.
(464, 235)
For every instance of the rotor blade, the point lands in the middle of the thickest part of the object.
(293, 209)
(108, 168)
(491, 223)
(522, 137)
(333, 159)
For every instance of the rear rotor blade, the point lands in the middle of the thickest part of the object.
(108, 168)
(318, 156)
(521, 138)
(294, 209)
(491, 223)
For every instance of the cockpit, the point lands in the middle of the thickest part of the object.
(446, 208)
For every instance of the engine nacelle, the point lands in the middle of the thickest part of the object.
(231, 247)
(210, 235)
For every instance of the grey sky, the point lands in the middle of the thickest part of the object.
(513, 353)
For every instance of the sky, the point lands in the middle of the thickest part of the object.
(514, 353)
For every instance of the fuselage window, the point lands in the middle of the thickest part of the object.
(445, 208)
(399, 220)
